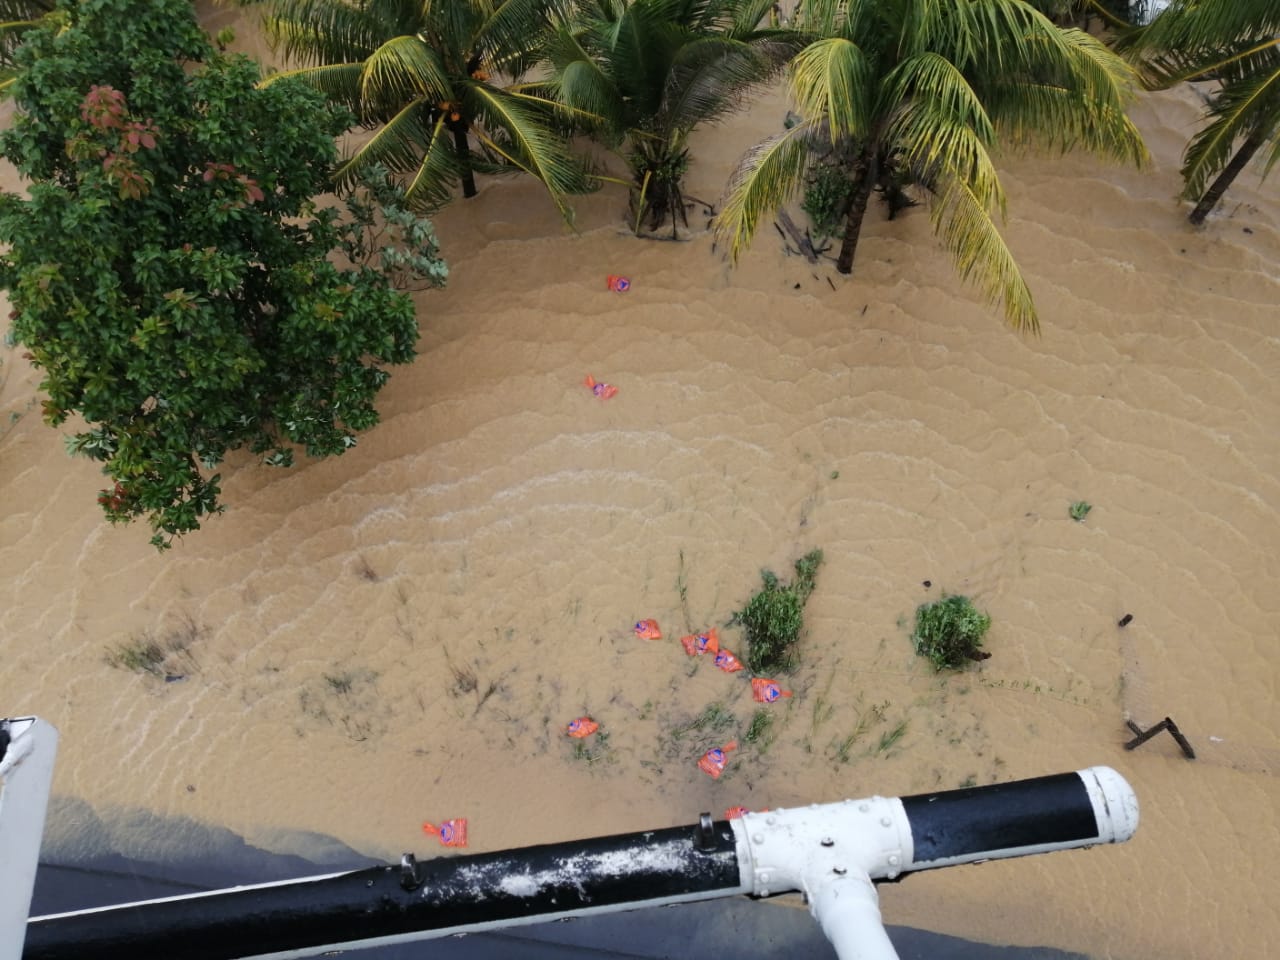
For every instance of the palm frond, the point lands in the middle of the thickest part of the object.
(529, 143)
(25, 9)
(581, 83)
(931, 79)
(1193, 26)
(519, 25)
(766, 178)
(1081, 103)
(746, 16)
(1168, 68)
(438, 173)
(340, 82)
(963, 223)
(943, 130)
(831, 79)
(401, 69)
(710, 77)
(325, 31)
(1236, 111)
(398, 145)
(11, 33)
(989, 35)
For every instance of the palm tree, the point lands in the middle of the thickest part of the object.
(919, 91)
(440, 82)
(1235, 43)
(652, 70)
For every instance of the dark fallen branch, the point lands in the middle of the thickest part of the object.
(1166, 724)
(709, 209)
(801, 240)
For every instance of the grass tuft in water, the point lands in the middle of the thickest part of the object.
(774, 617)
(949, 632)
(1079, 510)
(138, 655)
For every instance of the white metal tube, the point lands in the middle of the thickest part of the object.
(848, 910)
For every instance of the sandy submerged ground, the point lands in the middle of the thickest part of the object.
(401, 634)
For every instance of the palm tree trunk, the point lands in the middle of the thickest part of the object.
(857, 210)
(1228, 174)
(463, 151)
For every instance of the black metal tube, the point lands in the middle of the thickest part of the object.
(446, 894)
(998, 820)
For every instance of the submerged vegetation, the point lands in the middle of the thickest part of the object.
(641, 75)
(1234, 48)
(922, 93)
(949, 632)
(774, 617)
(206, 314)
(441, 84)
(167, 654)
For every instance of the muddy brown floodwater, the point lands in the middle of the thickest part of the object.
(401, 634)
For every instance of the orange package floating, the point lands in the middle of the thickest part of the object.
(618, 284)
(735, 813)
(767, 691)
(602, 390)
(714, 760)
(727, 662)
(648, 630)
(697, 643)
(450, 833)
(582, 727)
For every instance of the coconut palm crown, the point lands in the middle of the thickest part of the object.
(652, 70)
(1235, 43)
(440, 82)
(921, 91)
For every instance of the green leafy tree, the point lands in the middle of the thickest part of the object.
(169, 271)
(440, 83)
(652, 70)
(1235, 44)
(920, 91)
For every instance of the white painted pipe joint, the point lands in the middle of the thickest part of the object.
(833, 852)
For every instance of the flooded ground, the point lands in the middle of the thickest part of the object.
(401, 634)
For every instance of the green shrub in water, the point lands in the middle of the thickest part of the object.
(774, 617)
(826, 194)
(949, 632)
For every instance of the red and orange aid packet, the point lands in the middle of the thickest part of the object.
(733, 813)
(450, 833)
(727, 662)
(714, 760)
(767, 691)
(582, 727)
(697, 643)
(648, 630)
(602, 390)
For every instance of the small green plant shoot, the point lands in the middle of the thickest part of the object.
(1079, 510)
